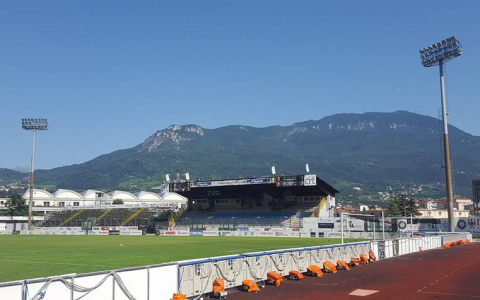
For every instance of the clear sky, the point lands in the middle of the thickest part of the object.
(107, 74)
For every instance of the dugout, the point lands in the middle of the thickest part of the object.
(270, 194)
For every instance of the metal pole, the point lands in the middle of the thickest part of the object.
(411, 224)
(30, 202)
(374, 229)
(383, 226)
(448, 172)
(341, 224)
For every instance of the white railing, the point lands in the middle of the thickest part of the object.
(139, 205)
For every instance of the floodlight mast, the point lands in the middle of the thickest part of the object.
(438, 54)
(33, 125)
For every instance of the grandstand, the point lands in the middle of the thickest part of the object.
(223, 204)
(142, 216)
(254, 202)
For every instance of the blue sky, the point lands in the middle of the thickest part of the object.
(107, 74)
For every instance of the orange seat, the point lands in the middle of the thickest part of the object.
(372, 256)
(314, 270)
(218, 286)
(295, 275)
(355, 262)
(329, 267)
(179, 296)
(343, 264)
(250, 286)
(363, 258)
(275, 278)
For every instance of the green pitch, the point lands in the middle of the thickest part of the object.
(34, 256)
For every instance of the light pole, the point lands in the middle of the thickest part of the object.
(383, 226)
(33, 125)
(438, 54)
(341, 224)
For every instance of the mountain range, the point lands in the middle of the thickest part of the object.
(365, 156)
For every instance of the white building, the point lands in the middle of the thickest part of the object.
(45, 201)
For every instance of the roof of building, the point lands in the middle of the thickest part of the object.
(298, 184)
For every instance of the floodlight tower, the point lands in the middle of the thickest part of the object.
(33, 125)
(438, 54)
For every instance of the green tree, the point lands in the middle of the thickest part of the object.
(393, 208)
(16, 206)
(412, 208)
(118, 201)
(402, 206)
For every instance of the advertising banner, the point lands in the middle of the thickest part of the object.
(179, 187)
(248, 233)
(310, 180)
(210, 233)
(468, 224)
(183, 232)
(249, 181)
(287, 181)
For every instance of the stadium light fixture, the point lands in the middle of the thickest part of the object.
(438, 54)
(33, 125)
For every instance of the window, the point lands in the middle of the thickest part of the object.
(46, 203)
(76, 203)
(1, 202)
(200, 201)
(61, 204)
(226, 201)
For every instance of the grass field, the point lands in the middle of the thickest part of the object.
(27, 256)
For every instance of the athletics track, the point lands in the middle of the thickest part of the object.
(452, 273)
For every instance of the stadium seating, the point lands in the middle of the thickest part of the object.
(142, 217)
(233, 220)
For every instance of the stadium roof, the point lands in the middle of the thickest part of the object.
(298, 184)
(90, 195)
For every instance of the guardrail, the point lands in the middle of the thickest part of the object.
(148, 282)
(195, 277)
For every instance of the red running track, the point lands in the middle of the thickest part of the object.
(452, 273)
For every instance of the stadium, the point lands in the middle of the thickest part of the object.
(199, 238)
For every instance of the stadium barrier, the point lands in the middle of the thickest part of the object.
(278, 232)
(195, 277)
(129, 283)
(101, 230)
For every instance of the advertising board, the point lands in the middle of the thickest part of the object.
(249, 181)
(288, 181)
(210, 233)
(310, 180)
(468, 224)
(196, 233)
(179, 187)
